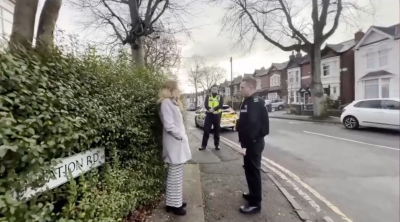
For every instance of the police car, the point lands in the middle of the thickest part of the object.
(228, 118)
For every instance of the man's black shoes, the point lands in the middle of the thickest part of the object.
(250, 209)
(217, 148)
(202, 148)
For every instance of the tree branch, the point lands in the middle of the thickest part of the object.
(336, 21)
(296, 32)
(296, 47)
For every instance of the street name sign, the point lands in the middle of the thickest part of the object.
(76, 165)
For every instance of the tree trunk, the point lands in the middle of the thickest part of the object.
(24, 23)
(317, 90)
(138, 53)
(47, 24)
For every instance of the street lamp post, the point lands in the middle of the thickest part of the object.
(230, 89)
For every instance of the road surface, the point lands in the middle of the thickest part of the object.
(346, 175)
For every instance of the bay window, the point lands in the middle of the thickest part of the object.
(377, 88)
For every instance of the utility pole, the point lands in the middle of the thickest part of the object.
(231, 89)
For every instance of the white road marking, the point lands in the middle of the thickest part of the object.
(297, 179)
(310, 189)
(354, 141)
(295, 187)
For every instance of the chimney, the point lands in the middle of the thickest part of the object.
(358, 35)
(291, 56)
(298, 54)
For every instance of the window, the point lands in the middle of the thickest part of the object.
(377, 88)
(385, 88)
(383, 56)
(297, 97)
(390, 104)
(291, 96)
(275, 81)
(371, 104)
(258, 84)
(325, 70)
(371, 88)
(6, 21)
(334, 90)
(370, 59)
(297, 76)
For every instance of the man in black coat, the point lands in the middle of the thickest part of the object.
(252, 127)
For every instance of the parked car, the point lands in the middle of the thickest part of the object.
(380, 113)
(277, 104)
(228, 118)
(191, 107)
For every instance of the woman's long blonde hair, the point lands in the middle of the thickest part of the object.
(170, 90)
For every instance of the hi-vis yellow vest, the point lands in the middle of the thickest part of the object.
(214, 102)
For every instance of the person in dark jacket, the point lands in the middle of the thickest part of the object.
(213, 104)
(252, 127)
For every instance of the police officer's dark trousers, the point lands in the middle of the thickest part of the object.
(252, 169)
(211, 120)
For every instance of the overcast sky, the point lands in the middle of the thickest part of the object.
(217, 49)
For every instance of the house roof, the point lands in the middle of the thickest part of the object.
(343, 46)
(376, 74)
(280, 66)
(296, 62)
(236, 80)
(391, 30)
(225, 83)
(261, 72)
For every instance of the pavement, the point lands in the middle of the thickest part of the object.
(332, 174)
(285, 115)
(213, 185)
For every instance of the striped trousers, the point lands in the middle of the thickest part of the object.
(174, 189)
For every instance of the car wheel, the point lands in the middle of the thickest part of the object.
(280, 107)
(195, 122)
(350, 122)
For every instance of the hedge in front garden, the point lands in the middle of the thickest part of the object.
(52, 106)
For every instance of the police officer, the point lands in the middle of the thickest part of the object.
(213, 104)
(253, 126)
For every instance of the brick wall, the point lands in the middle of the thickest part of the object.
(264, 81)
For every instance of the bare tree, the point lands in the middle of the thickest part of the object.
(24, 23)
(287, 24)
(132, 20)
(162, 51)
(194, 67)
(47, 24)
(211, 76)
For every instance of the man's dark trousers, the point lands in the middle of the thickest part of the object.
(215, 120)
(252, 169)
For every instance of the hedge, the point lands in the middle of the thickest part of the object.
(54, 105)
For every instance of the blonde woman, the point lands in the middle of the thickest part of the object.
(176, 150)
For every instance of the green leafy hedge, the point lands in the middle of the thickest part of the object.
(55, 105)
